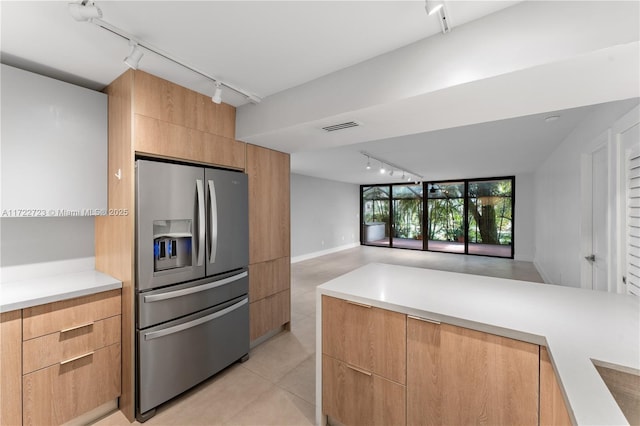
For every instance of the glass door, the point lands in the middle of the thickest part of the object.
(491, 217)
(407, 216)
(376, 205)
(445, 220)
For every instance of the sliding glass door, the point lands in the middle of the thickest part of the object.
(376, 205)
(407, 216)
(445, 221)
(491, 217)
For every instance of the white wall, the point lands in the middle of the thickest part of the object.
(324, 215)
(524, 219)
(558, 198)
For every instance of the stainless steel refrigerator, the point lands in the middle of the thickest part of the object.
(192, 281)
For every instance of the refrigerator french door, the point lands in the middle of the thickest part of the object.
(192, 312)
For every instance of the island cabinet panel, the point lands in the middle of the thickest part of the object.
(10, 368)
(354, 396)
(553, 410)
(366, 337)
(462, 376)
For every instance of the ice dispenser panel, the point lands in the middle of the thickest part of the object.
(172, 244)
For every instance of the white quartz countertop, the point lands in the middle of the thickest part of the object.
(37, 291)
(576, 325)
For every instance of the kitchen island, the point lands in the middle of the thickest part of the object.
(578, 327)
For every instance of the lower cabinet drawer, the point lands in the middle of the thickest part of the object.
(354, 396)
(63, 391)
(269, 313)
(47, 350)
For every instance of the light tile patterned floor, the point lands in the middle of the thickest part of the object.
(276, 386)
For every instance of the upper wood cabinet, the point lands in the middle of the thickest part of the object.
(461, 376)
(269, 204)
(54, 147)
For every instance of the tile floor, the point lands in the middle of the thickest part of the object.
(276, 386)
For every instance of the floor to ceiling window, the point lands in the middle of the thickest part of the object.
(470, 216)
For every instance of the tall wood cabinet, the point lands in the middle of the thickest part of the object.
(153, 117)
(269, 236)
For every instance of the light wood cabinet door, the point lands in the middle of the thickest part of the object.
(367, 337)
(269, 313)
(461, 376)
(57, 394)
(270, 277)
(10, 368)
(553, 411)
(354, 396)
(269, 201)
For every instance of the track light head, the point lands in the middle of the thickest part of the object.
(134, 57)
(391, 172)
(217, 94)
(382, 169)
(368, 166)
(433, 6)
(84, 12)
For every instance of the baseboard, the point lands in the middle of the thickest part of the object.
(544, 276)
(323, 252)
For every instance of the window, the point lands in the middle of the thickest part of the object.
(467, 216)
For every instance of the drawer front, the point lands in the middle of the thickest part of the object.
(367, 337)
(354, 396)
(52, 317)
(61, 392)
(53, 348)
(270, 277)
(269, 313)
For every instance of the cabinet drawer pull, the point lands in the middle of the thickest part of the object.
(359, 370)
(362, 305)
(424, 319)
(75, 358)
(89, 324)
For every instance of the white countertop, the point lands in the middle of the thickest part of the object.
(576, 325)
(37, 291)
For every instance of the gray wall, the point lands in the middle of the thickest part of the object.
(324, 214)
(34, 240)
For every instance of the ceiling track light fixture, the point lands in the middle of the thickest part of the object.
(87, 11)
(217, 94)
(438, 7)
(134, 57)
(406, 173)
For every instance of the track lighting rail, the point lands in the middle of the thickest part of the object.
(393, 167)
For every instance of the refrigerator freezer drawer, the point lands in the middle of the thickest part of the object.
(176, 356)
(158, 306)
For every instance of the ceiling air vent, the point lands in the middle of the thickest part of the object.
(341, 126)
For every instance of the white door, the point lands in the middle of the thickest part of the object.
(599, 255)
(630, 226)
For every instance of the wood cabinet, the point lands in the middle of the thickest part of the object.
(363, 363)
(70, 357)
(10, 368)
(462, 376)
(269, 240)
(60, 360)
(553, 410)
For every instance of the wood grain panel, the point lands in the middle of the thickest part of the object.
(423, 380)
(162, 139)
(270, 277)
(269, 204)
(625, 388)
(171, 103)
(553, 411)
(487, 378)
(358, 397)
(60, 393)
(11, 368)
(114, 235)
(367, 337)
(269, 313)
(47, 350)
(52, 317)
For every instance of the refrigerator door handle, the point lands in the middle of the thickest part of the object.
(213, 230)
(201, 220)
(194, 323)
(191, 290)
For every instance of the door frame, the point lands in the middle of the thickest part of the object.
(623, 124)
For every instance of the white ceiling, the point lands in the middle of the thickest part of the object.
(280, 50)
